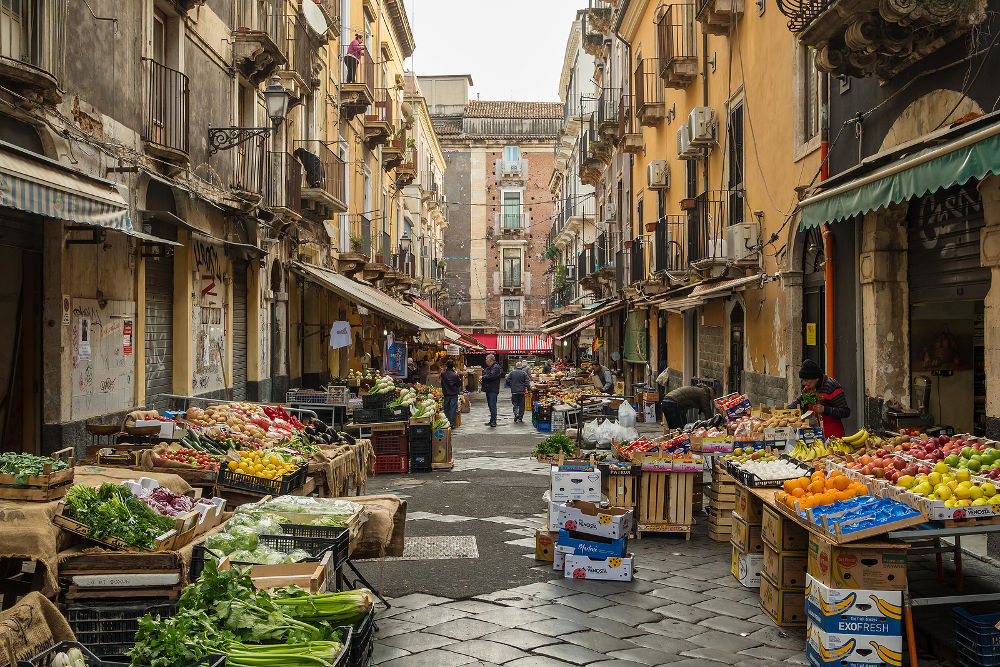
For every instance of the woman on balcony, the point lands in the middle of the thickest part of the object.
(354, 52)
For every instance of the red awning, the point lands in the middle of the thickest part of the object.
(514, 343)
(468, 340)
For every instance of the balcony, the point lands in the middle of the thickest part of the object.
(306, 66)
(249, 169)
(394, 150)
(507, 170)
(357, 87)
(380, 258)
(713, 213)
(378, 119)
(352, 260)
(866, 38)
(511, 223)
(637, 260)
(630, 140)
(323, 179)
(678, 45)
(593, 43)
(607, 113)
(406, 172)
(284, 184)
(650, 109)
(718, 16)
(259, 40)
(165, 112)
(599, 16)
(669, 249)
(32, 48)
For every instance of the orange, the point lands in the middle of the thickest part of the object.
(834, 473)
(840, 483)
(789, 485)
(817, 486)
(780, 496)
(802, 482)
(818, 476)
(798, 492)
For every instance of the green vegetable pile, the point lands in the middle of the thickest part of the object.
(555, 443)
(223, 612)
(23, 465)
(441, 423)
(241, 542)
(112, 511)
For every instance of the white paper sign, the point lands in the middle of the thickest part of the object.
(340, 335)
(85, 333)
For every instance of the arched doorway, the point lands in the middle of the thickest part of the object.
(737, 345)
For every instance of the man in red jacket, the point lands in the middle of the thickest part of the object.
(824, 396)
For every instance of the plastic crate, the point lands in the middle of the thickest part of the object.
(337, 395)
(45, 658)
(977, 641)
(306, 396)
(377, 401)
(542, 427)
(367, 415)
(340, 535)
(420, 462)
(254, 484)
(420, 432)
(421, 447)
(313, 545)
(109, 630)
(391, 463)
(363, 642)
(390, 443)
(400, 413)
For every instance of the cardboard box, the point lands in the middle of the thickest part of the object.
(717, 444)
(588, 545)
(747, 568)
(544, 545)
(785, 606)
(610, 569)
(787, 569)
(166, 428)
(552, 510)
(586, 517)
(580, 484)
(749, 506)
(852, 611)
(746, 536)
(876, 567)
(851, 650)
(781, 533)
(558, 560)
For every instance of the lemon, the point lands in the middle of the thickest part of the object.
(963, 475)
(233, 465)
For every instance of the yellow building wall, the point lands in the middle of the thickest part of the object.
(675, 341)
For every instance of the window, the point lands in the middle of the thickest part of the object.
(810, 94)
(511, 267)
(511, 154)
(159, 37)
(512, 210)
(735, 156)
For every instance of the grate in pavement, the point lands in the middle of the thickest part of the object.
(440, 547)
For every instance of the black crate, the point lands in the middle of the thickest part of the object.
(340, 535)
(262, 485)
(377, 401)
(363, 642)
(400, 413)
(420, 432)
(109, 630)
(420, 462)
(367, 415)
(316, 547)
(421, 447)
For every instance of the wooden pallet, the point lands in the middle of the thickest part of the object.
(665, 502)
(664, 528)
(443, 466)
(74, 593)
(621, 490)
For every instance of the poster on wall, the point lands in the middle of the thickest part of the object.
(127, 337)
(85, 333)
(395, 360)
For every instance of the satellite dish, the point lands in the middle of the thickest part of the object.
(314, 17)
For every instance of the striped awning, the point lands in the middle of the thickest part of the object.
(514, 343)
(44, 187)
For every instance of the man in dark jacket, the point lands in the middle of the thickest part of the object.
(451, 387)
(492, 375)
(677, 403)
(824, 396)
(519, 382)
(604, 376)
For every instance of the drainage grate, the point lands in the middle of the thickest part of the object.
(440, 547)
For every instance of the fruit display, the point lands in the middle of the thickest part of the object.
(819, 489)
(742, 454)
(261, 422)
(269, 464)
(803, 452)
(860, 513)
(956, 489)
(191, 457)
(769, 468)
(886, 467)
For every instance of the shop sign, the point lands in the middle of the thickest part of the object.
(452, 350)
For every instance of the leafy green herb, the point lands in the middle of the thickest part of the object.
(112, 511)
(23, 465)
(808, 399)
(555, 443)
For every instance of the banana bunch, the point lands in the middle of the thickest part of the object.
(857, 440)
(804, 452)
(835, 444)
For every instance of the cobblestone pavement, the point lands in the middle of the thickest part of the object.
(468, 591)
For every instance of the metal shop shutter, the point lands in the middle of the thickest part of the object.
(159, 330)
(240, 330)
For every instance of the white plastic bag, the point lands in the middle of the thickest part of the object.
(606, 432)
(590, 433)
(626, 415)
(627, 434)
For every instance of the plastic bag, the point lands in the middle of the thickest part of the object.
(590, 433)
(626, 415)
(606, 432)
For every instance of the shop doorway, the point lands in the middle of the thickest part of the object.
(279, 336)
(21, 329)
(734, 376)
(240, 269)
(814, 298)
(159, 321)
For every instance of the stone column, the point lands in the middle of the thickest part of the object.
(791, 286)
(885, 311)
(989, 252)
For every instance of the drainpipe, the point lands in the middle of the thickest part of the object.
(704, 97)
(827, 233)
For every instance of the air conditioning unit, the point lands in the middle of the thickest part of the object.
(717, 249)
(702, 125)
(570, 272)
(511, 312)
(742, 240)
(511, 324)
(611, 211)
(685, 150)
(658, 175)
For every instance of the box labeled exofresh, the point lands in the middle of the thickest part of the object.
(618, 568)
(851, 650)
(853, 611)
(587, 517)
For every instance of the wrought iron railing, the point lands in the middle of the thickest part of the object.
(360, 234)
(34, 34)
(263, 16)
(322, 168)
(626, 117)
(303, 48)
(637, 263)
(714, 211)
(801, 13)
(607, 106)
(381, 110)
(621, 272)
(647, 85)
(284, 182)
(250, 166)
(165, 114)
(676, 35)
(669, 243)
(364, 71)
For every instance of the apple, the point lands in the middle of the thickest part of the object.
(944, 439)
(899, 464)
(923, 470)
(865, 459)
(903, 446)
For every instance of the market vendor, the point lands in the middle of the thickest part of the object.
(824, 396)
(605, 378)
(677, 403)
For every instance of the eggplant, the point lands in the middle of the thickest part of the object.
(348, 438)
(310, 430)
(321, 426)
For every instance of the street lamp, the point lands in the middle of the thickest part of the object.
(276, 98)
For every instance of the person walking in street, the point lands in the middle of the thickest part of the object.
(519, 382)
(677, 403)
(492, 375)
(824, 396)
(355, 50)
(451, 387)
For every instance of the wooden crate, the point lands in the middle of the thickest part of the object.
(117, 574)
(665, 498)
(310, 576)
(186, 525)
(621, 490)
(46, 487)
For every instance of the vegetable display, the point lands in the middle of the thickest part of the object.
(192, 457)
(555, 443)
(344, 608)
(164, 501)
(310, 505)
(269, 464)
(112, 511)
(383, 385)
(24, 465)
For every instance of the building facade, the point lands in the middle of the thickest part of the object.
(500, 157)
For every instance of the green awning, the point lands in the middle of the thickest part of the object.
(954, 163)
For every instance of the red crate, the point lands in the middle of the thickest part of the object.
(391, 463)
(391, 442)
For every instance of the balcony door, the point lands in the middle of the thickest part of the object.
(512, 209)
(14, 25)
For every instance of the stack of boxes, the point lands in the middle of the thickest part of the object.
(421, 447)
(748, 547)
(722, 502)
(854, 603)
(783, 580)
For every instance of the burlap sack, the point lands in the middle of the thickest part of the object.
(383, 533)
(30, 627)
(27, 531)
(132, 417)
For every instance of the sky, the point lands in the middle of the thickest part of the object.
(513, 48)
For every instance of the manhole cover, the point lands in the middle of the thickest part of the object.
(439, 548)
